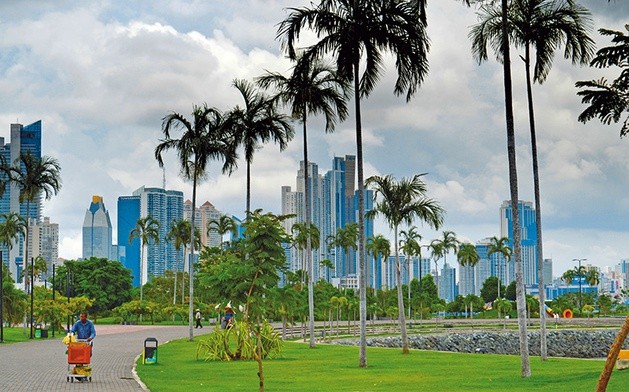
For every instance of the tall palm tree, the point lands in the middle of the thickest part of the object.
(354, 33)
(402, 202)
(608, 101)
(544, 25)
(500, 246)
(440, 248)
(379, 247)
(258, 122)
(305, 235)
(34, 176)
(467, 256)
(11, 227)
(179, 236)
(202, 139)
(313, 88)
(146, 229)
(411, 247)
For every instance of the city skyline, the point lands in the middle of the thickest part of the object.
(102, 86)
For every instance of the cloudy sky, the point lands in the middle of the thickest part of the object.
(101, 75)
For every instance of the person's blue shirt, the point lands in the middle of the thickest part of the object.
(84, 330)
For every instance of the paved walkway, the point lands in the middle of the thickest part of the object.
(42, 365)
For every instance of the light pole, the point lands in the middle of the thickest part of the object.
(579, 274)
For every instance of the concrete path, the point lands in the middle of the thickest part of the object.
(42, 364)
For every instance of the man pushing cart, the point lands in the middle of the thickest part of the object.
(80, 349)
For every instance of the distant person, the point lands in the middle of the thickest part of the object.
(229, 316)
(198, 318)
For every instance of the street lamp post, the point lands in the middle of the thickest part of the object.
(579, 274)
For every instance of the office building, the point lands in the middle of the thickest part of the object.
(97, 231)
(44, 242)
(23, 139)
(528, 233)
(166, 207)
(203, 215)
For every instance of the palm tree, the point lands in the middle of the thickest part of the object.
(305, 235)
(146, 229)
(179, 235)
(440, 248)
(313, 88)
(345, 238)
(608, 101)
(411, 247)
(12, 226)
(258, 122)
(500, 246)
(467, 256)
(545, 25)
(223, 225)
(379, 247)
(402, 202)
(355, 33)
(202, 140)
(33, 176)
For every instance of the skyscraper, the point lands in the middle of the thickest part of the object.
(166, 207)
(528, 228)
(44, 242)
(23, 139)
(97, 230)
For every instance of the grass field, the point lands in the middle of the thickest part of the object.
(332, 368)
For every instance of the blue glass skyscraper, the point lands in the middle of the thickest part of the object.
(528, 230)
(97, 230)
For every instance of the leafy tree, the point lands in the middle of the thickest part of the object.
(608, 101)
(604, 303)
(106, 282)
(510, 292)
(146, 229)
(489, 290)
(379, 247)
(11, 227)
(179, 236)
(223, 225)
(467, 256)
(355, 33)
(410, 245)
(202, 140)
(345, 238)
(500, 246)
(441, 247)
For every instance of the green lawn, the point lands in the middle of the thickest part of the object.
(335, 368)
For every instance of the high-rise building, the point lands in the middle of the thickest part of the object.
(23, 139)
(166, 207)
(447, 283)
(97, 231)
(203, 215)
(528, 233)
(333, 206)
(44, 242)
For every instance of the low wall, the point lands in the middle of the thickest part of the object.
(560, 343)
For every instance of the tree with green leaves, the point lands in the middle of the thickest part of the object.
(223, 225)
(179, 236)
(440, 248)
(490, 288)
(379, 247)
(357, 33)
(608, 101)
(345, 238)
(468, 257)
(146, 230)
(12, 225)
(34, 176)
(504, 251)
(313, 88)
(203, 139)
(402, 202)
(410, 245)
(259, 121)
(544, 26)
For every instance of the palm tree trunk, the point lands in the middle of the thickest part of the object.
(362, 290)
(538, 208)
(248, 189)
(309, 262)
(400, 300)
(190, 267)
(612, 357)
(513, 182)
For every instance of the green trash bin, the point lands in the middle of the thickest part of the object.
(149, 356)
(38, 333)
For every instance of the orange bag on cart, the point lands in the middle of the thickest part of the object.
(79, 353)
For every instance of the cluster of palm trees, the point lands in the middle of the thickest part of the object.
(34, 177)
